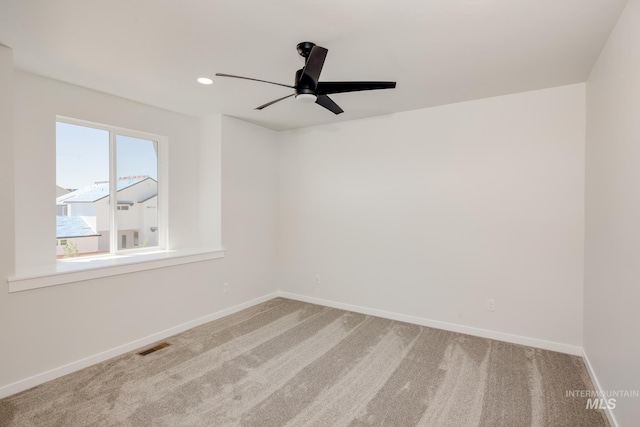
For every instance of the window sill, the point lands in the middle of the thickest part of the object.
(79, 269)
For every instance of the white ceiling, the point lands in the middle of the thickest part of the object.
(439, 51)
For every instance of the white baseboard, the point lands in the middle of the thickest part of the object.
(484, 333)
(596, 385)
(35, 380)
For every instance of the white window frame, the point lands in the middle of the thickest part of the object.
(80, 269)
(163, 186)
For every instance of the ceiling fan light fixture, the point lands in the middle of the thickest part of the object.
(205, 80)
(307, 98)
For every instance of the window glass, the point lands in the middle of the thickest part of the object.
(84, 211)
(82, 189)
(137, 169)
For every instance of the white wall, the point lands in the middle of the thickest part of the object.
(612, 261)
(431, 212)
(210, 180)
(249, 205)
(6, 190)
(46, 328)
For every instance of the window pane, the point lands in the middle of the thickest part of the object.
(82, 190)
(137, 171)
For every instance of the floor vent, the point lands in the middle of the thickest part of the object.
(154, 348)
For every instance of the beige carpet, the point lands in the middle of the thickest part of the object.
(290, 363)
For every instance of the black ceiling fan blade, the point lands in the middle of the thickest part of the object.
(249, 78)
(328, 103)
(315, 62)
(325, 88)
(273, 102)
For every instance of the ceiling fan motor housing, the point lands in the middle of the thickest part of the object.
(304, 49)
(303, 84)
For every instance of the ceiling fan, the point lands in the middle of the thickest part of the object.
(308, 89)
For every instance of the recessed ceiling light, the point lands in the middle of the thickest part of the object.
(204, 80)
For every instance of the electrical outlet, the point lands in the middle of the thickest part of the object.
(317, 279)
(491, 305)
(225, 288)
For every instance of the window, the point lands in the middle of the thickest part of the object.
(96, 164)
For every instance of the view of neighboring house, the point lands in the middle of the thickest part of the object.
(83, 216)
(76, 233)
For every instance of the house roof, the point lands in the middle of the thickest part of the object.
(68, 227)
(95, 192)
(146, 198)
